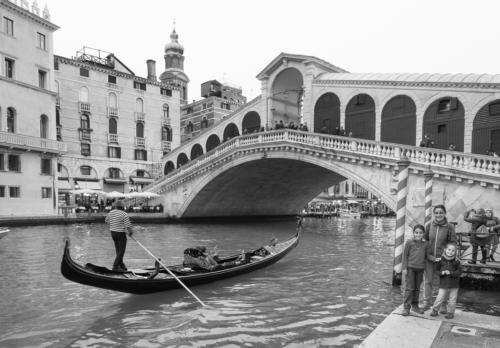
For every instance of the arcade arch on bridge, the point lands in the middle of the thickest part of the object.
(230, 131)
(169, 167)
(212, 142)
(360, 117)
(327, 114)
(399, 121)
(287, 94)
(182, 159)
(444, 123)
(251, 122)
(196, 151)
(486, 129)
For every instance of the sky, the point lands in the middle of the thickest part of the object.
(232, 41)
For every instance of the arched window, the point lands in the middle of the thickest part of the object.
(139, 105)
(113, 126)
(112, 100)
(139, 130)
(44, 126)
(166, 134)
(84, 95)
(11, 120)
(166, 111)
(84, 122)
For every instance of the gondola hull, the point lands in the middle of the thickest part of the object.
(104, 278)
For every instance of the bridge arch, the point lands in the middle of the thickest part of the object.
(360, 117)
(321, 173)
(230, 131)
(399, 121)
(182, 159)
(169, 167)
(212, 142)
(286, 96)
(486, 128)
(196, 151)
(444, 121)
(251, 122)
(327, 113)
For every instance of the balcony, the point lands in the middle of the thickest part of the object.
(85, 134)
(112, 112)
(112, 138)
(140, 142)
(84, 108)
(140, 116)
(26, 142)
(166, 146)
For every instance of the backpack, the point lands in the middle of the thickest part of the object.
(482, 232)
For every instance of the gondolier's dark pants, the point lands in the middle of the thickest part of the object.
(120, 240)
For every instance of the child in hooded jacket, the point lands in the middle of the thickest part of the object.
(449, 270)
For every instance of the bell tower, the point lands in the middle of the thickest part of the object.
(174, 65)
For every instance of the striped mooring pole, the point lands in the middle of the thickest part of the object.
(402, 193)
(428, 196)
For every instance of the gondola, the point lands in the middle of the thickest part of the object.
(138, 282)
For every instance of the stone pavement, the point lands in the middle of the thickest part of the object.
(466, 330)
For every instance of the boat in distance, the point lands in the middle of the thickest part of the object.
(141, 281)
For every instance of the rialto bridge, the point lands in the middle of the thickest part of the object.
(275, 172)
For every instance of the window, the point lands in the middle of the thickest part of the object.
(84, 72)
(2, 165)
(85, 149)
(2, 191)
(46, 192)
(42, 77)
(113, 127)
(166, 91)
(85, 170)
(14, 163)
(139, 130)
(139, 85)
(8, 26)
(114, 173)
(444, 105)
(85, 122)
(166, 134)
(441, 128)
(141, 155)
(41, 41)
(9, 68)
(56, 64)
(166, 111)
(11, 120)
(140, 173)
(112, 79)
(14, 191)
(114, 152)
(44, 126)
(225, 106)
(46, 166)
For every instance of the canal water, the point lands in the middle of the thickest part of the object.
(332, 290)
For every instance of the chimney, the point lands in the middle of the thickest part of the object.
(151, 69)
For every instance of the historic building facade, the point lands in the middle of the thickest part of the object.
(117, 125)
(28, 146)
(218, 101)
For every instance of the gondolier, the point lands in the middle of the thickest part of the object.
(119, 225)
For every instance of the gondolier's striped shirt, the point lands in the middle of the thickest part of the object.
(118, 220)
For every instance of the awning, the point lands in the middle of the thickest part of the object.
(91, 185)
(63, 185)
(115, 181)
(140, 180)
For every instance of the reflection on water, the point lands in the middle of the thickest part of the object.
(332, 290)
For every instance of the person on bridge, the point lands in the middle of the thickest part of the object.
(479, 233)
(438, 233)
(493, 225)
(119, 224)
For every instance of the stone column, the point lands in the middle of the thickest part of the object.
(402, 193)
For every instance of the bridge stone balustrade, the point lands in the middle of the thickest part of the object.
(278, 172)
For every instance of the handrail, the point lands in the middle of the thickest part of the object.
(444, 159)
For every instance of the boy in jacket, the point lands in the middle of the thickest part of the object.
(449, 277)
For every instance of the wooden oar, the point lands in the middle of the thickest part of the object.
(169, 271)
